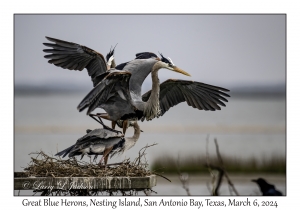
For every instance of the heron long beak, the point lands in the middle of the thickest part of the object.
(176, 69)
(253, 180)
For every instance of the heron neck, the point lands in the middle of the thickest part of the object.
(155, 85)
(137, 131)
(152, 105)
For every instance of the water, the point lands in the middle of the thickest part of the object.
(247, 127)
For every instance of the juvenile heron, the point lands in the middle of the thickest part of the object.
(102, 142)
(266, 188)
(119, 94)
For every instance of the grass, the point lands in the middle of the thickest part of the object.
(196, 164)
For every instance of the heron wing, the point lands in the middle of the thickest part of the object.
(100, 133)
(198, 95)
(109, 142)
(95, 143)
(118, 148)
(64, 152)
(72, 56)
(111, 94)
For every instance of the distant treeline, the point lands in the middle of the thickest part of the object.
(242, 91)
(197, 164)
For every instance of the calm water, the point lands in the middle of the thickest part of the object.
(245, 128)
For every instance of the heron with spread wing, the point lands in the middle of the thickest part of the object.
(119, 94)
(72, 56)
(122, 98)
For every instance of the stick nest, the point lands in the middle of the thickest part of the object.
(45, 166)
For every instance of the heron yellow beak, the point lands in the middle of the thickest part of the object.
(176, 69)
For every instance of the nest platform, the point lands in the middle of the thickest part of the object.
(55, 176)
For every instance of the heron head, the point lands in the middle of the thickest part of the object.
(145, 55)
(171, 66)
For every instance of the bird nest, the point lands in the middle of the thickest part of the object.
(45, 166)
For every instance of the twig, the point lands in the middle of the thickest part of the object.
(49, 166)
(143, 153)
(215, 190)
(162, 176)
(209, 167)
(184, 178)
(223, 168)
(221, 171)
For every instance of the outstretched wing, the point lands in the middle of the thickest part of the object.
(111, 94)
(72, 56)
(198, 95)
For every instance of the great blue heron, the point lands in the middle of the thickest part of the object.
(266, 188)
(102, 142)
(120, 95)
(196, 94)
(72, 56)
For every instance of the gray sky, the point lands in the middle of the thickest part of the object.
(223, 50)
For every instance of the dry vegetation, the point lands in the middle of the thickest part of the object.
(196, 164)
(45, 166)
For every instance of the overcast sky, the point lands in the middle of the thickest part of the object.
(223, 50)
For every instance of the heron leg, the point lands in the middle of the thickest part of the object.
(95, 157)
(82, 155)
(100, 162)
(105, 160)
(92, 116)
(125, 125)
(113, 124)
(106, 117)
(104, 126)
(105, 156)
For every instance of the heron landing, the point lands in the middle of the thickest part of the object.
(119, 93)
(117, 89)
